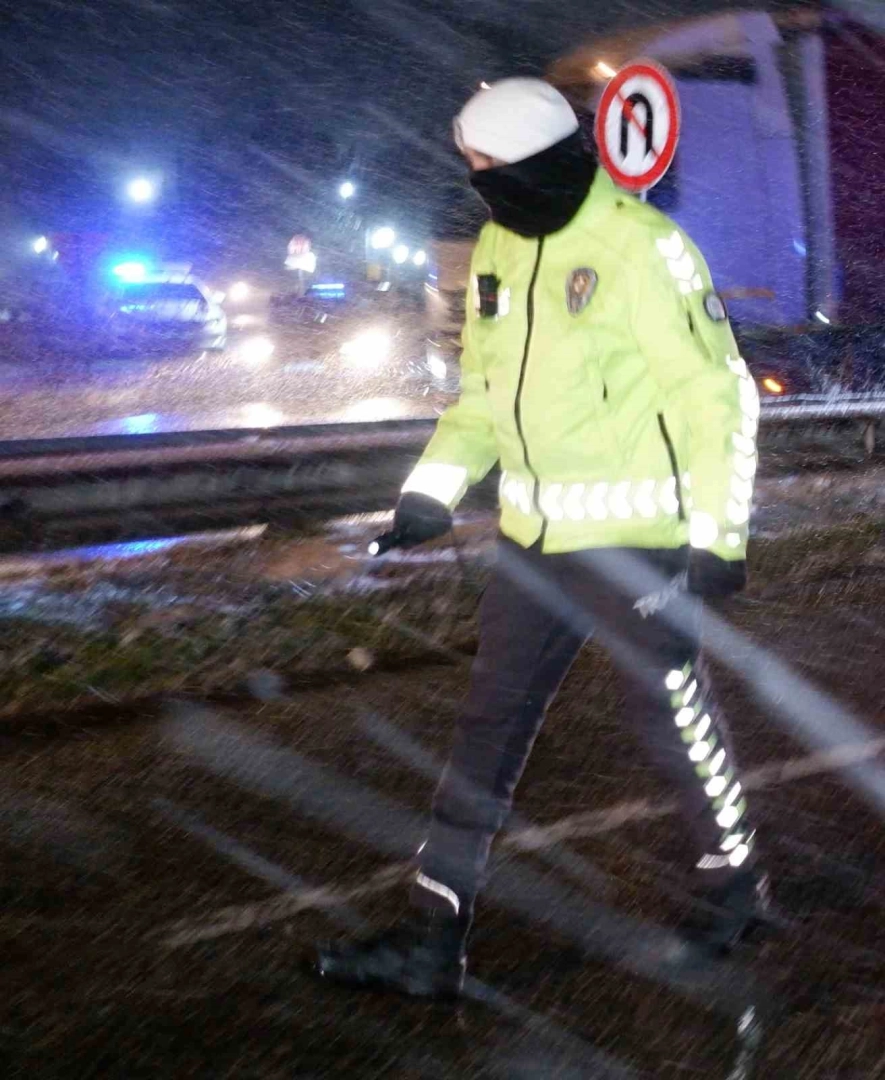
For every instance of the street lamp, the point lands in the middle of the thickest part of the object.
(40, 245)
(347, 190)
(141, 190)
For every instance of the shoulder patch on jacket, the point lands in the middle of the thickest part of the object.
(715, 307)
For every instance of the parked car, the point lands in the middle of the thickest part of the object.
(163, 313)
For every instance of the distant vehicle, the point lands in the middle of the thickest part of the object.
(814, 361)
(360, 326)
(163, 313)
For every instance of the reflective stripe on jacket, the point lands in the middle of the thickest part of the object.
(625, 419)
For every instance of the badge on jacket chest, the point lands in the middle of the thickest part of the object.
(579, 289)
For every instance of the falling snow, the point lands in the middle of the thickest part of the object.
(219, 748)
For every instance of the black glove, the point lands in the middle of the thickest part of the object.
(714, 578)
(419, 518)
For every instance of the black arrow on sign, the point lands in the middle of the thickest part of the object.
(628, 116)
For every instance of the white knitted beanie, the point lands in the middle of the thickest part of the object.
(514, 120)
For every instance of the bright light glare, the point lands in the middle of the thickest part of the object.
(260, 414)
(130, 271)
(437, 367)
(238, 292)
(383, 238)
(819, 315)
(256, 350)
(368, 349)
(40, 245)
(484, 85)
(141, 190)
(380, 408)
(773, 386)
(606, 70)
(347, 190)
(400, 253)
(419, 258)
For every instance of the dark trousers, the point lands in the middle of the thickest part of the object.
(536, 613)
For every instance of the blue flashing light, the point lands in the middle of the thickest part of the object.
(326, 290)
(130, 271)
(129, 550)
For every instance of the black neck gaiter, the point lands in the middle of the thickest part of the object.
(541, 194)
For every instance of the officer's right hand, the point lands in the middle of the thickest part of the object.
(419, 518)
(713, 578)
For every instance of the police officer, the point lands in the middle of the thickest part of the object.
(599, 369)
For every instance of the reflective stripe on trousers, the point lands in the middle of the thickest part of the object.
(535, 615)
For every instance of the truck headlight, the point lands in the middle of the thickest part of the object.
(368, 349)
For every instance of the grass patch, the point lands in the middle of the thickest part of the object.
(113, 636)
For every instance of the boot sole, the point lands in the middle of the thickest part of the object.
(756, 928)
(439, 989)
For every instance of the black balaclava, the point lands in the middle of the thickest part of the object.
(541, 194)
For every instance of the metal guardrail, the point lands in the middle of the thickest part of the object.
(226, 440)
(813, 407)
(126, 487)
(117, 488)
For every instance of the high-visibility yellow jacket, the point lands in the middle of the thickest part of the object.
(609, 386)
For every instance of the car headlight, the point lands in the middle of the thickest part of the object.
(255, 350)
(368, 349)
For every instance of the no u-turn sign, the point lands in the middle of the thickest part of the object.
(637, 125)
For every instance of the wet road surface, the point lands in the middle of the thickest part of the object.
(265, 377)
(161, 873)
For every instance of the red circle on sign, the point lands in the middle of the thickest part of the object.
(611, 98)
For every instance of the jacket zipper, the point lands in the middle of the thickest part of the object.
(517, 404)
(674, 467)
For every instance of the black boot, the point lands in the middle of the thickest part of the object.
(727, 913)
(423, 956)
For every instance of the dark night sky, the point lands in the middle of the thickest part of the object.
(255, 110)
